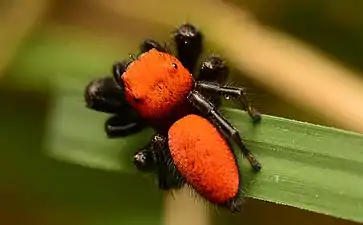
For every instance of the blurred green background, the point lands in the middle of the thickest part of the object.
(42, 110)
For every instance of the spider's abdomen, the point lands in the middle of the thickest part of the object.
(156, 84)
(204, 159)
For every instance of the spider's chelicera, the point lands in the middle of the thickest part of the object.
(135, 105)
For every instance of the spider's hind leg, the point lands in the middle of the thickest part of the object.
(155, 157)
(235, 204)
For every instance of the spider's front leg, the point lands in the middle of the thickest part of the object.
(188, 42)
(229, 92)
(228, 131)
(119, 68)
(155, 157)
(106, 95)
(149, 44)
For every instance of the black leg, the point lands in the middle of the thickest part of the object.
(118, 69)
(234, 93)
(123, 125)
(223, 125)
(105, 95)
(149, 44)
(213, 69)
(155, 157)
(188, 42)
(235, 204)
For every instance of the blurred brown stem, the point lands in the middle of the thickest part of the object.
(181, 207)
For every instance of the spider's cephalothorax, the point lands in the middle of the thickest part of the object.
(193, 140)
(160, 98)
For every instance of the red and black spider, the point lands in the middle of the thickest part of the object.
(193, 140)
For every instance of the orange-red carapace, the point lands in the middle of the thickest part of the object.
(155, 91)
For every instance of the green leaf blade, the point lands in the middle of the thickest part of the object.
(306, 166)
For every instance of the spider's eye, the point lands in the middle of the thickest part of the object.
(174, 65)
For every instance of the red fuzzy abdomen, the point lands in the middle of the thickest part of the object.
(204, 158)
